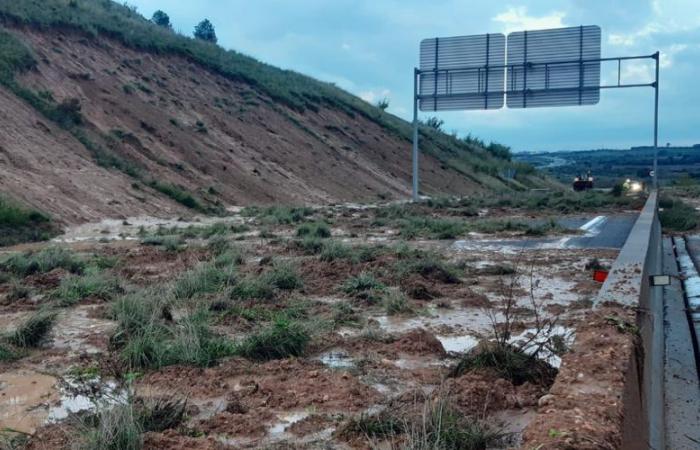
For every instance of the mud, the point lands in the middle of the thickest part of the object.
(381, 362)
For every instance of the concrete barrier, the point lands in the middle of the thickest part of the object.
(628, 285)
(619, 404)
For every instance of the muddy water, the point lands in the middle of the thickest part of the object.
(25, 399)
(30, 399)
(128, 229)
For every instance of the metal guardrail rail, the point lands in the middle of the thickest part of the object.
(628, 284)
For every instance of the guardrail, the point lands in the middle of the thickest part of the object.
(628, 284)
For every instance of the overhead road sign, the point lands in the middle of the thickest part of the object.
(559, 67)
(462, 72)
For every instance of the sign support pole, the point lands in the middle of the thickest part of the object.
(415, 135)
(656, 124)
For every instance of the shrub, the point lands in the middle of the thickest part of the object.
(33, 331)
(677, 216)
(19, 223)
(43, 261)
(314, 229)
(115, 428)
(282, 339)
(508, 362)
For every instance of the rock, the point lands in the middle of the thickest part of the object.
(545, 400)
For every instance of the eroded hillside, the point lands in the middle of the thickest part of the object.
(95, 126)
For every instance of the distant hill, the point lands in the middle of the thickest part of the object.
(611, 165)
(105, 114)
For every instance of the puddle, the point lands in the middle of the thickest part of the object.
(473, 320)
(87, 396)
(530, 341)
(278, 430)
(458, 344)
(25, 398)
(337, 359)
(30, 399)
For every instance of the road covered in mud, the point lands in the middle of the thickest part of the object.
(338, 327)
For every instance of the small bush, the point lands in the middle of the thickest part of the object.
(92, 284)
(33, 331)
(282, 339)
(509, 363)
(43, 261)
(278, 215)
(314, 229)
(677, 216)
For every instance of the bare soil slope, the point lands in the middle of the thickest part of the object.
(222, 139)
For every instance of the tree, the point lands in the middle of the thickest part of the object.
(161, 19)
(383, 104)
(205, 31)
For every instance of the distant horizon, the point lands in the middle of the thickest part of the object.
(565, 150)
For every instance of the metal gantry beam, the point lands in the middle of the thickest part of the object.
(559, 67)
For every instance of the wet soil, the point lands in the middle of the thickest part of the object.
(379, 362)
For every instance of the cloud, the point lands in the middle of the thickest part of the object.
(372, 96)
(517, 19)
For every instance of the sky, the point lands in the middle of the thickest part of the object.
(370, 47)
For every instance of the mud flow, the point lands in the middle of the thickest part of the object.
(327, 327)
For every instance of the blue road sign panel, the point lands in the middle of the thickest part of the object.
(550, 67)
(462, 72)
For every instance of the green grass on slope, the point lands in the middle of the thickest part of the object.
(22, 224)
(297, 91)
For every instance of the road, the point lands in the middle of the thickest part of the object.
(594, 232)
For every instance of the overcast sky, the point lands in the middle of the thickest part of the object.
(369, 47)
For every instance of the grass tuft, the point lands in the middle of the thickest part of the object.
(92, 284)
(32, 332)
(43, 261)
(282, 339)
(314, 229)
(206, 278)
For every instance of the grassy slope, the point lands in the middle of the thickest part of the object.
(288, 88)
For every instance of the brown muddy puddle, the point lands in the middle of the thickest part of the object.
(30, 399)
